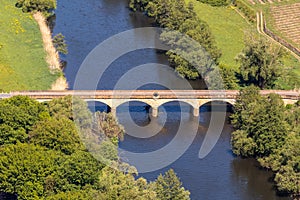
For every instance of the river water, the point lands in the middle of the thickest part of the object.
(220, 175)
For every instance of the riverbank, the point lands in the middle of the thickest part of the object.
(52, 56)
(23, 63)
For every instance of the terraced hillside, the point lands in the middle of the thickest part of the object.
(286, 20)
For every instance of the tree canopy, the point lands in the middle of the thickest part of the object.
(260, 62)
(269, 131)
(191, 63)
(44, 6)
(43, 154)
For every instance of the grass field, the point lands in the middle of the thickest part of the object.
(22, 57)
(227, 27)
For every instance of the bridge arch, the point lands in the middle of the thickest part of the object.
(210, 101)
(190, 102)
(98, 105)
(119, 102)
(221, 103)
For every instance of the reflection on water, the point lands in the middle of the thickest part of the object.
(220, 175)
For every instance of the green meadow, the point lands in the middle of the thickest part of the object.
(227, 27)
(22, 57)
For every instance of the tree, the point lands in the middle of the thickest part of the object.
(76, 172)
(261, 123)
(106, 123)
(285, 161)
(73, 108)
(44, 6)
(188, 57)
(169, 14)
(17, 117)
(189, 61)
(246, 102)
(123, 186)
(216, 2)
(59, 43)
(242, 145)
(85, 194)
(169, 187)
(138, 5)
(200, 32)
(229, 77)
(260, 62)
(57, 134)
(24, 168)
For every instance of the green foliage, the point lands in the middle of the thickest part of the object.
(242, 145)
(77, 171)
(169, 14)
(17, 116)
(73, 108)
(57, 134)
(24, 168)
(60, 43)
(249, 12)
(85, 194)
(229, 77)
(247, 100)
(199, 31)
(270, 132)
(260, 62)
(216, 2)
(123, 186)
(138, 5)
(54, 164)
(169, 187)
(45, 6)
(261, 119)
(179, 16)
(106, 123)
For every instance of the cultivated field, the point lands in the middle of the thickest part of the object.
(286, 20)
(266, 1)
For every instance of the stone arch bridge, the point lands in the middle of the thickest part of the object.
(153, 98)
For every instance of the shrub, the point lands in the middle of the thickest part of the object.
(44, 6)
(216, 2)
(249, 13)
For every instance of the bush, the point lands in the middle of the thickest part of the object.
(45, 6)
(216, 2)
(249, 13)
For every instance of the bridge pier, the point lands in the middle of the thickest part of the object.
(154, 111)
(196, 111)
(113, 111)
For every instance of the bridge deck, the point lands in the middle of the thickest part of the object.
(147, 94)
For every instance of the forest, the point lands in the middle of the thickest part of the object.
(44, 155)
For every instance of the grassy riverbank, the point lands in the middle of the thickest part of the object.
(22, 56)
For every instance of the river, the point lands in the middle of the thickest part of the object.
(220, 175)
